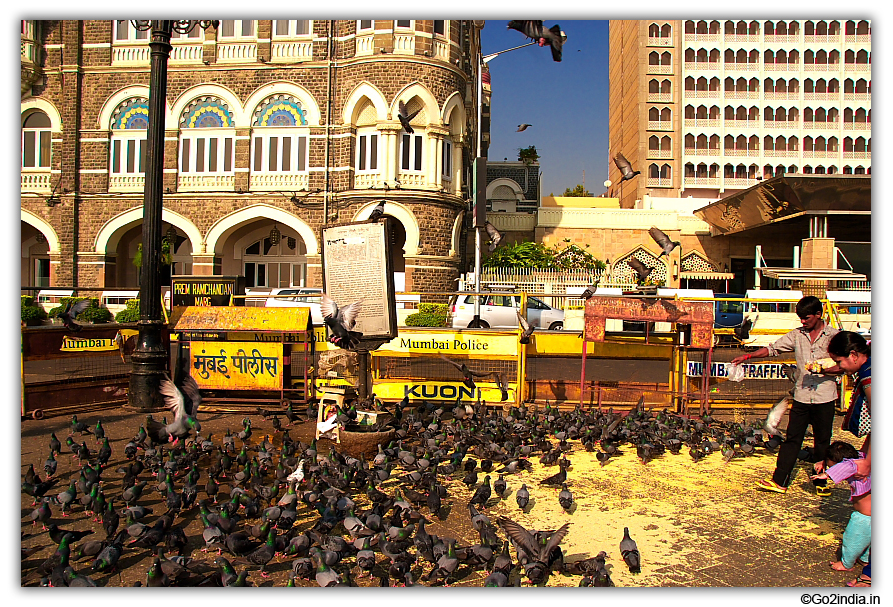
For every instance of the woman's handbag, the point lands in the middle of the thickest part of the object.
(858, 418)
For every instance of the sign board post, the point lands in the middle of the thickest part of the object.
(357, 266)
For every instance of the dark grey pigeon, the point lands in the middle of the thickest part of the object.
(663, 241)
(495, 236)
(626, 169)
(377, 212)
(70, 313)
(341, 321)
(536, 31)
(406, 118)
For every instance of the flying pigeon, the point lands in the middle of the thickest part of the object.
(742, 331)
(539, 546)
(405, 118)
(467, 374)
(184, 420)
(341, 321)
(626, 169)
(377, 212)
(523, 127)
(70, 313)
(775, 415)
(526, 328)
(536, 31)
(641, 270)
(494, 234)
(663, 241)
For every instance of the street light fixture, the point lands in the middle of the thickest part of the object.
(149, 357)
(477, 229)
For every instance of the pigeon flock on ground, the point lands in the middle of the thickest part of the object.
(335, 519)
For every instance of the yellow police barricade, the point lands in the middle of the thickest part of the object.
(247, 354)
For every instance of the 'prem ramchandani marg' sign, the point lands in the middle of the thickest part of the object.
(206, 290)
(227, 365)
(453, 343)
(751, 371)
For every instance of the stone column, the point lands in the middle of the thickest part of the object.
(204, 264)
(458, 146)
(389, 133)
(436, 136)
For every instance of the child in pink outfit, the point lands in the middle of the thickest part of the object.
(840, 465)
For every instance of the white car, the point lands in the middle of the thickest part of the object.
(499, 311)
(300, 297)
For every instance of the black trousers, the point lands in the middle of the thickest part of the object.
(802, 415)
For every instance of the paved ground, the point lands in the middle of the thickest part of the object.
(696, 524)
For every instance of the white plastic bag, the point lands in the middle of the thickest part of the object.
(736, 372)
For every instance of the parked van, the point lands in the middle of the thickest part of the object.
(728, 313)
(499, 311)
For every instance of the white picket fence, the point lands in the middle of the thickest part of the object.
(532, 280)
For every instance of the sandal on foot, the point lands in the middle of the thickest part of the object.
(860, 582)
(767, 484)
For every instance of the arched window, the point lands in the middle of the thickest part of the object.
(832, 170)
(654, 30)
(284, 264)
(665, 115)
(701, 113)
(653, 171)
(665, 58)
(753, 143)
(127, 154)
(653, 58)
(279, 138)
(207, 137)
(653, 143)
(653, 114)
(653, 86)
(863, 29)
(820, 145)
(729, 56)
(807, 144)
(769, 28)
(690, 27)
(666, 143)
(665, 30)
(666, 87)
(832, 144)
(412, 145)
(768, 143)
(36, 138)
(859, 170)
(793, 143)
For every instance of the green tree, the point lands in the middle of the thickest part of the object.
(578, 192)
(528, 155)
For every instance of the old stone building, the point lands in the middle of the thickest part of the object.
(273, 129)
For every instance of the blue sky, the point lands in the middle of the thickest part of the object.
(566, 102)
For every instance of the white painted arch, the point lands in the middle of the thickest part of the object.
(110, 234)
(432, 110)
(44, 228)
(308, 103)
(105, 114)
(227, 224)
(504, 181)
(401, 214)
(457, 234)
(212, 90)
(454, 103)
(36, 103)
(370, 91)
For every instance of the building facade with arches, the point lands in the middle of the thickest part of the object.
(707, 108)
(273, 129)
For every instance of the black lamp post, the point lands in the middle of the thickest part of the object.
(149, 357)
